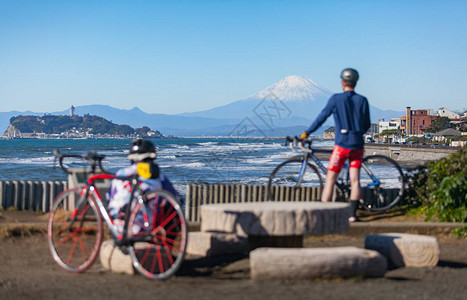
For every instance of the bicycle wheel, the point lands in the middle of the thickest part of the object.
(158, 230)
(74, 233)
(382, 183)
(286, 180)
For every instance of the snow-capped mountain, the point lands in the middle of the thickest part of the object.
(299, 95)
(295, 88)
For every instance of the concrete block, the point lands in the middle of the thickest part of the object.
(310, 263)
(405, 250)
(113, 259)
(275, 218)
(215, 243)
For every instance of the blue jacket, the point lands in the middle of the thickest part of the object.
(351, 117)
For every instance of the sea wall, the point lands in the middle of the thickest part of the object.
(407, 155)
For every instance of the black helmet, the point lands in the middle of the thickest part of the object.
(141, 149)
(349, 75)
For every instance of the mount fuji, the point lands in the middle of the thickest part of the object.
(298, 94)
(295, 88)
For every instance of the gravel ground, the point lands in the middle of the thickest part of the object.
(28, 272)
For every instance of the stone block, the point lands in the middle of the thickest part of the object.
(275, 218)
(113, 259)
(215, 243)
(310, 263)
(405, 250)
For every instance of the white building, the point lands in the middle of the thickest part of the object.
(444, 112)
(393, 123)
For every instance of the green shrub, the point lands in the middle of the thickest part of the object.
(460, 232)
(449, 199)
(439, 189)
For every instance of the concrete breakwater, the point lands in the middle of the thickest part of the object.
(408, 156)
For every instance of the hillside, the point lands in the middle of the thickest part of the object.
(66, 125)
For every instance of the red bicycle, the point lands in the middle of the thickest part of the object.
(154, 231)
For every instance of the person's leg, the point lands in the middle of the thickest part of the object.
(331, 178)
(354, 174)
(355, 158)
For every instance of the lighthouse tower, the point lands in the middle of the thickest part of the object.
(72, 111)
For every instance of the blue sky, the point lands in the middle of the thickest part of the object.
(183, 56)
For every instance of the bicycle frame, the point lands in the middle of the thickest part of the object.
(90, 189)
(310, 154)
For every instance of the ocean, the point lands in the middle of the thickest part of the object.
(183, 160)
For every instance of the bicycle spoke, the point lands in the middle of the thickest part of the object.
(162, 255)
(172, 226)
(382, 183)
(74, 236)
(288, 177)
(82, 247)
(145, 256)
(159, 259)
(72, 251)
(169, 255)
(171, 246)
(65, 239)
(165, 222)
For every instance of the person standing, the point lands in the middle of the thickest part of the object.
(352, 119)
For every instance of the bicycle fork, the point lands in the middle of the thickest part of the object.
(375, 182)
(301, 173)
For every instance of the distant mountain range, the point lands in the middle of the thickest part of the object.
(284, 108)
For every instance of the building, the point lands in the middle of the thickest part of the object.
(447, 134)
(373, 129)
(416, 122)
(457, 120)
(392, 124)
(444, 112)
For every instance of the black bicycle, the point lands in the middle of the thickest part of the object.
(381, 178)
(154, 230)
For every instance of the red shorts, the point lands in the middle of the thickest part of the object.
(340, 155)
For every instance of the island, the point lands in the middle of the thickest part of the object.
(73, 126)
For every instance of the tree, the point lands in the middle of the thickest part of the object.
(390, 132)
(438, 124)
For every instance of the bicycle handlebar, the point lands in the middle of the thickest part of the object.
(93, 157)
(295, 140)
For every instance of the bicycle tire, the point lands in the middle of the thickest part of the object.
(386, 188)
(286, 174)
(159, 220)
(74, 245)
